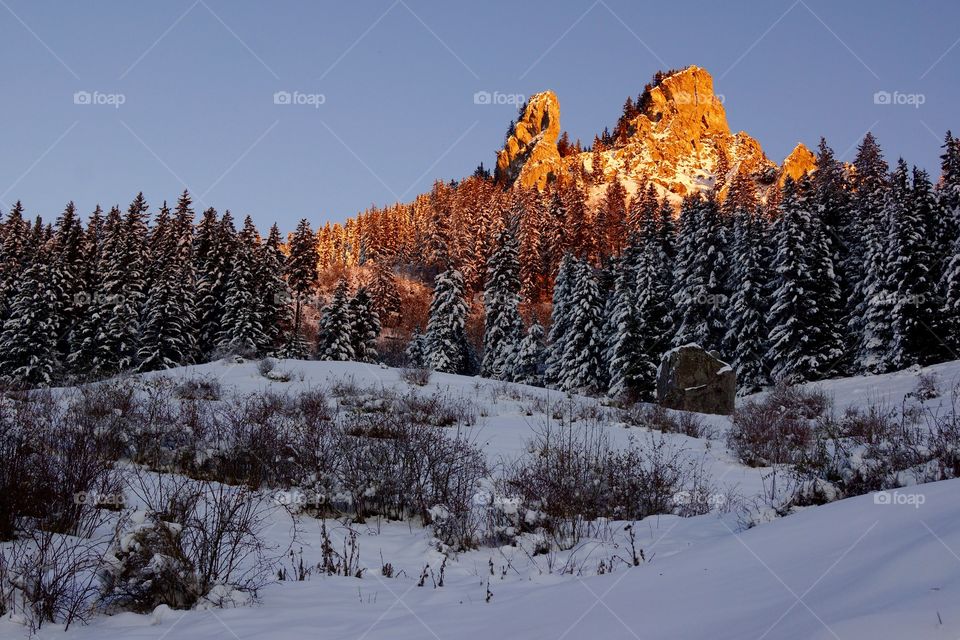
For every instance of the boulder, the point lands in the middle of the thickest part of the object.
(691, 379)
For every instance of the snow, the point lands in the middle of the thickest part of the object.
(875, 566)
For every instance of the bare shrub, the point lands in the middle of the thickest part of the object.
(200, 389)
(657, 418)
(777, 429)
(572, 476)
(415, 376)
(53, 466)
(194, 538)
(51, 577)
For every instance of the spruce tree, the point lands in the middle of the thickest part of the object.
(867, 261)
(503, 327)
(583, 342)
(624, 353)
(28, 341)
(274, 301)
(792, 332)
(560, 320)
(747, 335)
(445, 342)
(334, 331)
(364, 326)
(301, 270)
(241, 328)
(912, 271)
(526, 365)
(384, 293)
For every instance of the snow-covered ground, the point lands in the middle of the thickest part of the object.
(857, 568)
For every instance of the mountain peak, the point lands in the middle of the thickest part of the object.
(676, 137)
(798, 163)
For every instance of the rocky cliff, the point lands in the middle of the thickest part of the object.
(679, 140)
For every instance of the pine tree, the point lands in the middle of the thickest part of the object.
(334, 331)
(624, 353)
(832, 210)
(560, 320)
(241, 329)
(416, 349)
(121, 293)
(912, 271)
(302, 277)
(66, 277)
(747, 335)
(526, 365)
(870, 318)
(28, 342)
(792, 331)
(445, 342)
(364, 326)
(948, 241)
(274, 293)
(168, 318)
(503, 327)
(583, 348)
(84, 339)
(384, 293)
(213, 263)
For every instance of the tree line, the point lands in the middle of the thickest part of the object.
(852, 268)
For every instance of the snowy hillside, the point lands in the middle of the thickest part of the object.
(855, 568)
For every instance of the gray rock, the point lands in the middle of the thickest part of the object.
(690, 379)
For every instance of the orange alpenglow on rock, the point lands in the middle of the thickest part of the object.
(678, 140)
(799, 163)
(530, 155)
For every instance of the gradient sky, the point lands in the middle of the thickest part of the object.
(398, 77)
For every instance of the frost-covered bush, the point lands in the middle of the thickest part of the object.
(193, 540)
(571, 476)
(777, 429)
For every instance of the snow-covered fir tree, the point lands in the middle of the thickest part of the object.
(793, 334)
(121, 290)
(334, 331)
(416, 349)
(560, 319)
(870, 319)
(169, 319)
(503, 328)
(581, 366)
(445, 342)
(28, 341)
(274, 293)
(384, 292)
(364, 326)
(301, 268)
(526, 364)
(624, 354)
(242, 329)
(913, 281)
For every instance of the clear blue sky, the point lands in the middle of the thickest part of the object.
(198, 79)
